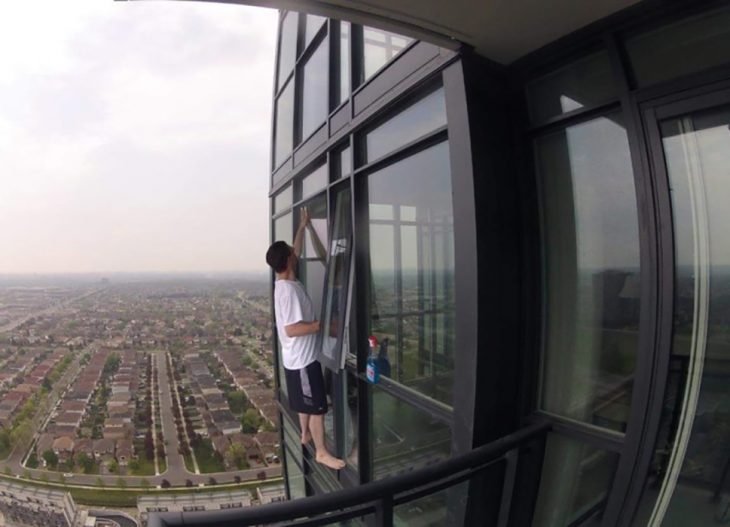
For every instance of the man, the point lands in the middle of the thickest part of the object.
(297, 329)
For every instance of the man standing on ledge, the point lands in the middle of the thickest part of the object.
(297, 329)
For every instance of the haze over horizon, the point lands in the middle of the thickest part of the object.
(134, 137)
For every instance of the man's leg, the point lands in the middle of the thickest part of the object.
(304, 424)
(316, 426)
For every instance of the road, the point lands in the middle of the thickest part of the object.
(176, 470)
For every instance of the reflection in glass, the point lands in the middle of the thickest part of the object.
(315, 181)
(340, 249)
(684, 47)
(584, 83)
(591, 248)
(412, 270)
(575, 482)
(345, 74)
(420, 118)
(313, 24)
(690, 472)
(404, 438)
(342, 163)
(314, 90)
(283, 199)
(292, 440)
(350, 451)
(287, 46)
(380, 47)
(284, 125)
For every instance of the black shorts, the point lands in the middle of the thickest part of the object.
(306, 392)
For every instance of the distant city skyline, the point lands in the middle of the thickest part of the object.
(134, 137)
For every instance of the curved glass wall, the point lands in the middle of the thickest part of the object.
(591, 239)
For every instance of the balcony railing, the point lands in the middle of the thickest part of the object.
(506, 471)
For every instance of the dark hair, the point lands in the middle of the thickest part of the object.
(277, 256)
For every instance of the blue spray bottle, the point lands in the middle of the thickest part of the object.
(372, 371)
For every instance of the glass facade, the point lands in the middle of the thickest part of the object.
(591, 272)
(284, 141)
(620, 329)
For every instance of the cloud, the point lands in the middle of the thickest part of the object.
(134, 136)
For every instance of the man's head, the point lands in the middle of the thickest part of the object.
(279, 255)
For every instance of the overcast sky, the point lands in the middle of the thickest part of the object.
(134, 136)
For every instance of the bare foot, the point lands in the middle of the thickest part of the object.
(330, 461)
(306, 437)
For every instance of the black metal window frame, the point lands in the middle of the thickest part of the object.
(656, 243)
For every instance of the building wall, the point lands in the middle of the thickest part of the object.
(513, 235)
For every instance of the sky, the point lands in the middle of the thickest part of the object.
(134, 136)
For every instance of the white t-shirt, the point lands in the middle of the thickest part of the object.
(292, 305)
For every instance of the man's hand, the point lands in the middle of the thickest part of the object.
(304, 218)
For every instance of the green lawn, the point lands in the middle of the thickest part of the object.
(208, 459)
(144, 468)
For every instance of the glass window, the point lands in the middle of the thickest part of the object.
(312, 27)
(294, 477)
(591, 255)
(283, 230)
(284, 125)
(287, 46)
(420, 118)
(585, 83)
(350, 451)
(293, 440)
(688, 46)
(283, 199)
(345, 74)
(340, 249)
(412, 271)
(314, 253)
(315, 182)
(689, 482)
(404, 438)
(315, 90)
(380, 47)
(575, 482)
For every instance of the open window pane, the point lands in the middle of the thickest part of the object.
(338, 272)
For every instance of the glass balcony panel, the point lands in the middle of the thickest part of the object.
(445, 507)
(575, 482)
(685, 47)
(582, 84)
(591, 272)
(294, 477)
(418, 119)
(315, 90)
(284, 140)
(287, 46)
(380, 47)
(404, 438)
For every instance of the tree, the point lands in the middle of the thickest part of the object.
(250, 421)
(165, 484)
(237, 455)
(212, 481)
(113, 466)
(188, 483)
(50, 458)
(237, 478)
(84, 461)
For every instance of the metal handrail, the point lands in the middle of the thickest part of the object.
(367, 498)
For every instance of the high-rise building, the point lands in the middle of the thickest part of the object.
(525, 204)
